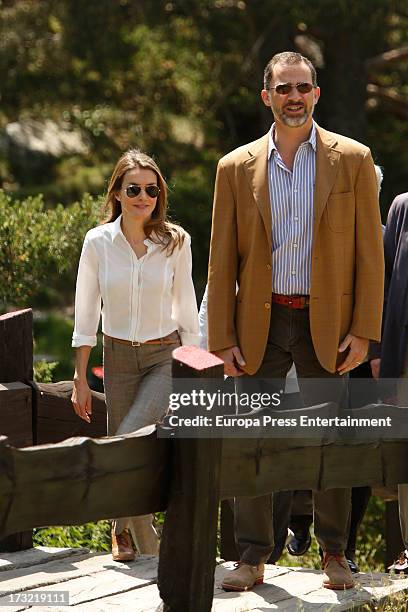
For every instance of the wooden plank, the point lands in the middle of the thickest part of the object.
(300, 589)
(103, 580)
(97, 584)
(16, 413)
(73, 571)
(146, 599)
(16, 346)
(136, 473)
(107, 477)
(55, 418)
(188, 546)
(256, 467)
(37, 556)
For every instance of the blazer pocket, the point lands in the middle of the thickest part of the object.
(341, 211)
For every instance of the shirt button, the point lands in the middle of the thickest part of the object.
(296, 218)
(293, 272)
(295, 244)
(267, 305)
(268, 267)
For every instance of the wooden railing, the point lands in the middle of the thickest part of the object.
(83, 479)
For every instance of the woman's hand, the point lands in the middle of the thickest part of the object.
(82, 399)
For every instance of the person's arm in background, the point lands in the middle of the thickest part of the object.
(87, 314)
(390, 241)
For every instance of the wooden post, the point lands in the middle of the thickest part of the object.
(16, 413)
(16, 346)
(188, 546)
(16, 366)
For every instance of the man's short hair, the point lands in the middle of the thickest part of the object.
(288, 58)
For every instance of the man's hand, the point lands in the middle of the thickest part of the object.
(356, 355)
(375, 367)
(233, 361)
(82, 399)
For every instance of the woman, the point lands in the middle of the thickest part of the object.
(139, 266)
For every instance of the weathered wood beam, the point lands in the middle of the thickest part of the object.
(82, 480)
(55, 417)
(257, 467)
(188, 546)
(34, 478)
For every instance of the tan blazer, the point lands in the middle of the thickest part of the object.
(346, 292)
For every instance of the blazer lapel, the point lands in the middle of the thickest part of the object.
(327, 164)
(256, 168)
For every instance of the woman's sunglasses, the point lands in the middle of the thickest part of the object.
(132, 191)
(285, 88)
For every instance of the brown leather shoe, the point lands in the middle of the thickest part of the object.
(243, 577)
(122, 547)
(337, 574)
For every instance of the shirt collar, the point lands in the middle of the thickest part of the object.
(115, 227)
(116, 230)
(271, 142)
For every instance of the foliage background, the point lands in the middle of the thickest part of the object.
(181, 80)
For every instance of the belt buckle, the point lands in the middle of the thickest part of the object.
(295, 301)
(136, 343)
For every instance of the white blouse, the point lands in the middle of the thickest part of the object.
(140, 299)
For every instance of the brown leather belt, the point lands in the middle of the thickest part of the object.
(291, 301)
(172, 338)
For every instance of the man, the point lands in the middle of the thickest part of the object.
(390, 358)
(296, 224)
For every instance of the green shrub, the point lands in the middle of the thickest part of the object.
(44, 371)
(40, 247)
(95, 536)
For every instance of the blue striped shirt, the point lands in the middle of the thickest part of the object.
(291, 194)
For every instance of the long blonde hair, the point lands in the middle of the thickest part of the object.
(158, 228)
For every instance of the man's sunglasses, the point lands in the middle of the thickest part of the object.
(285, 88)
(132, 191)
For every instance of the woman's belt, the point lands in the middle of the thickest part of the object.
(172, 338)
